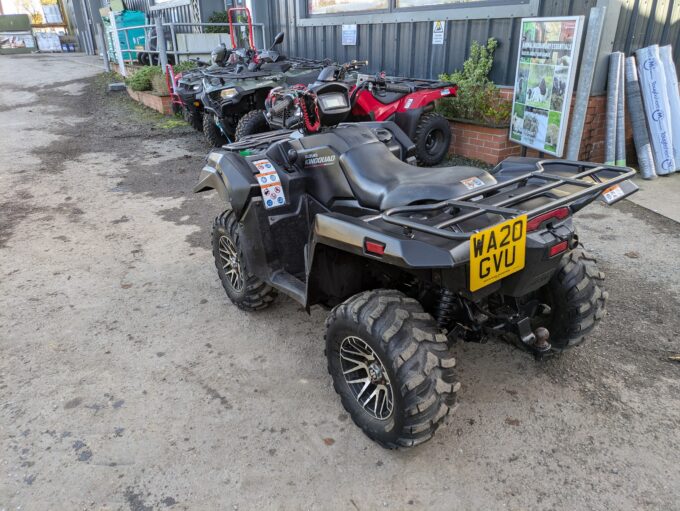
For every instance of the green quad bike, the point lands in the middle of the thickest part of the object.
(231, 93)
(408, 260)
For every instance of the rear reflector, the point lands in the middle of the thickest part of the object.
(556, 214)
(559, 248)
(374, 247)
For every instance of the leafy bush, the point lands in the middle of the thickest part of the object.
(184, 66)
(478, 98)
(218, 17)
(141, 79)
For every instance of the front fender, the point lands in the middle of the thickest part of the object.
(229, 174)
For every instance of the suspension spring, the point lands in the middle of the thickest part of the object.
(446, 308)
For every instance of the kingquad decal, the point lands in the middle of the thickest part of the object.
(315, 160)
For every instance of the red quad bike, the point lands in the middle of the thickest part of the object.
(409, 102)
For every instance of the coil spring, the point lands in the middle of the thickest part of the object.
(446, 308)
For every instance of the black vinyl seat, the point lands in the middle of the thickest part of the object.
(388, 97)
(382, 181)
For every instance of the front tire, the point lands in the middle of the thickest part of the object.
(577, 300)
(246, 291)
(433, 138)
(211, 131)
(251, 123)
(391, 366)
(193, 116)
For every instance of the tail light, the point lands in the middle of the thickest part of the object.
(558, 248)
(556, 214)
(374, 247)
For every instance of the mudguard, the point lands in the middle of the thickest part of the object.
(350, 234)
(229, 174)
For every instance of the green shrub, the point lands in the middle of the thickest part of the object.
(218, 17)
(478, 99)
(184, 66)
(141, 78)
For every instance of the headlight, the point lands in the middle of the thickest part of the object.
(228, 93)
(196, 87)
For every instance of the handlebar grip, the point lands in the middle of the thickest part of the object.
(393, 87)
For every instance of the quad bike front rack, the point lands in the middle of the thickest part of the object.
(592, 179)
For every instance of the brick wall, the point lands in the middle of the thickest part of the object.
(492, 145)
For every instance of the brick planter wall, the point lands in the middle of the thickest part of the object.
(489, 145)
(492, 145)
(162, 104)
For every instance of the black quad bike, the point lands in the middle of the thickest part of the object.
(229, 94)
(407, 260)
(189, 84)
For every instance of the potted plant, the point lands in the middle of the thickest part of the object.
(480, 114)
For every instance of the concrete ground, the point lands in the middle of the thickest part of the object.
(129, 381)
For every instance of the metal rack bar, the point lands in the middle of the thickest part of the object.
(463, 202)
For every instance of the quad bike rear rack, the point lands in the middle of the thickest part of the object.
(589, 177)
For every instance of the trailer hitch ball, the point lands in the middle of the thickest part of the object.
(542, 335)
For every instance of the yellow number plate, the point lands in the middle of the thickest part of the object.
(497, 252)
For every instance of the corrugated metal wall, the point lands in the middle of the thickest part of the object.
(406, 49)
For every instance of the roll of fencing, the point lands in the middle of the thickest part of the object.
(666, 53)
(612, 108)
(657, 109)
(643, 147)
(621, 116)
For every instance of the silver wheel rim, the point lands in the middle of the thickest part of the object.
(366, 377)
(230, 263)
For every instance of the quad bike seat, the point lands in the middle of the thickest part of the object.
(388, 97)
(382, 181)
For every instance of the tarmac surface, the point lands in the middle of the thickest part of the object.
(129, 381)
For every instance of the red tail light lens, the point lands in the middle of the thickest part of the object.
(559, 248)
(556, 214)
(373, 247)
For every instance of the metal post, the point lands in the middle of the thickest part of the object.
(127, 45)
(585, 81)
(160, 44)
(173, 40)
(101, 42)
(116, 44)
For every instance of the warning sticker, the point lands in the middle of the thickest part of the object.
(264, 165)
(270, 187)
(612, 193)
(472, 182)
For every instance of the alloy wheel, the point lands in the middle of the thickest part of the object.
(366, 376)
(231, 263)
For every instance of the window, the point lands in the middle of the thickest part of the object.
(423, 3)
(337, 12)
(340, 6)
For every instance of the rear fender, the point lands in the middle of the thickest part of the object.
(229, 174)
(350, 234)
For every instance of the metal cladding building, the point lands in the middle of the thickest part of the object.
(396, 35)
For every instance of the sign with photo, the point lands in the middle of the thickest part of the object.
(546, 68)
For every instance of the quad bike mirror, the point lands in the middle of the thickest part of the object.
(277, 40)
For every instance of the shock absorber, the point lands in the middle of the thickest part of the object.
(445, 309)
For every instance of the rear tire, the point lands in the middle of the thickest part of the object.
(433, 138)
(246, 291)
(409, 361)
(577, 300)
(212, 133)
(251, 123)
